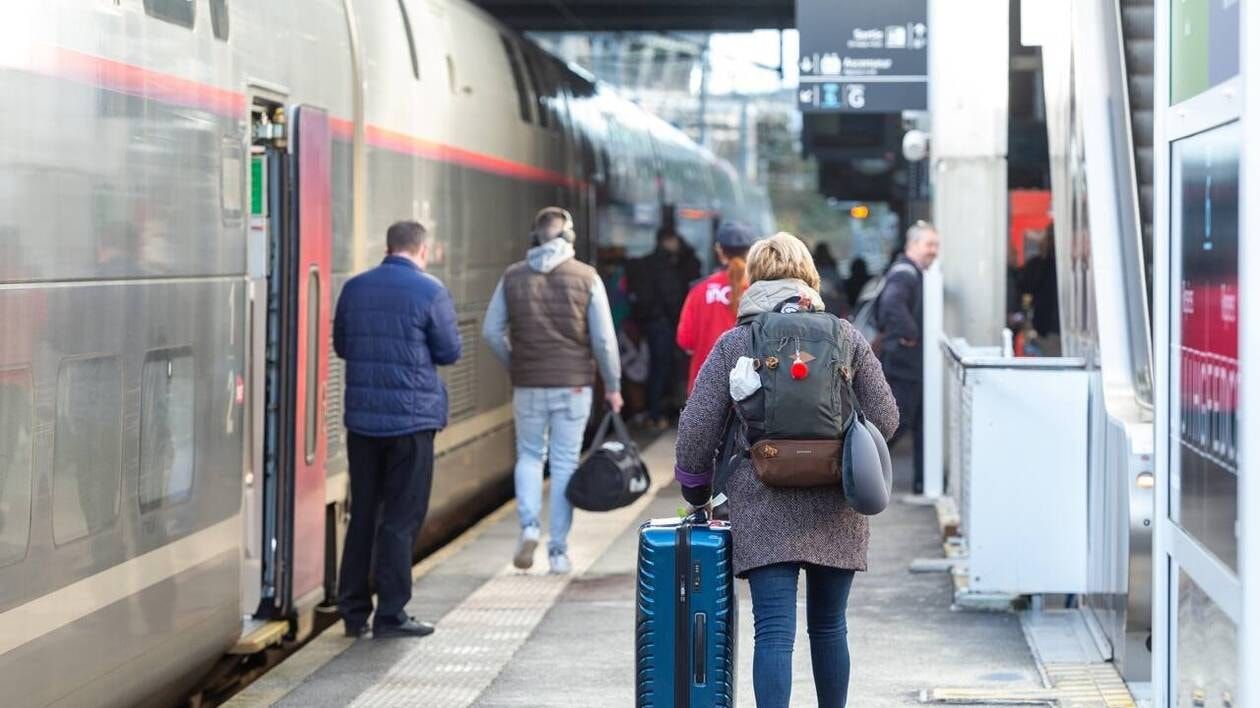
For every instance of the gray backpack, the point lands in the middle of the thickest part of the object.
(804, 425)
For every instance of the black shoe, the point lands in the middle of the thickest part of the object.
(356, 631)
(412, 627)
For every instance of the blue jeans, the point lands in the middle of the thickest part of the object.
(550, 423)
(774, 621)
(660, 336)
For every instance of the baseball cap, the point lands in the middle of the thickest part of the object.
(733, 234)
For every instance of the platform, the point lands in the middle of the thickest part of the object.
(506, 638)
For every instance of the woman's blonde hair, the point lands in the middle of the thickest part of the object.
(782, 256)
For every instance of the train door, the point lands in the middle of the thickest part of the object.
(291, 215)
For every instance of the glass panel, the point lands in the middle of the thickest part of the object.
(180, 12)
(87, 447)
(312, 364)
(167, 417)
(219, 18)
(534, 72)
(15, 464)
(518, 79)
(1207, 650)
(1204, 375)
(1204, 45)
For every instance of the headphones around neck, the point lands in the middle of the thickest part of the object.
(545, 216)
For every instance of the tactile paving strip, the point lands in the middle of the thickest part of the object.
(475, 641)
(1089, 685)
(1073, 686)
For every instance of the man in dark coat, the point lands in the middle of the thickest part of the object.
(899, 314)
(395, 325)
(658, 287)
(1039, 279)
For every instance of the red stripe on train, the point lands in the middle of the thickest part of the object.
(145, 83)
(137, 81)
(420, 147)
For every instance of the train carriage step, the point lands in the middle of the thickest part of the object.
(258, 635)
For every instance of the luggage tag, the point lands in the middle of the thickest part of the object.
(745, 381)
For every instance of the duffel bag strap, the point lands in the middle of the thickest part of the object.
(619, 427)
(602, 433)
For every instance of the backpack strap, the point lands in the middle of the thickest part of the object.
(899, 266)
(844, 347)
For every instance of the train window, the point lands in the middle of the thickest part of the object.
(540, 90)
(219, 18)
(87, 447)
(518, 78)
(168, 389)
(312, 364)
(16, 427)
(178, 12)
(411, 40)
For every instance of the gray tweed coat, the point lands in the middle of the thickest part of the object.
(777, 524)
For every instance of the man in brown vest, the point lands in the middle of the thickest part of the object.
(550, 324)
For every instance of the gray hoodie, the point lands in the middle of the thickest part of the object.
(765, 295)
(544, 259)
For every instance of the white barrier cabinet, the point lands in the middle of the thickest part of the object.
(1018, 468)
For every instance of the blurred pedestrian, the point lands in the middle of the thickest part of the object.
(780, 531)
(549, 323)
(831, 288)
(859, 275)
(1039, 281)
(658, 287)
(899, 314)
(394, 325)
(710, 307)
(636, 362)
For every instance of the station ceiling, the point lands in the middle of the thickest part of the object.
(643, 15)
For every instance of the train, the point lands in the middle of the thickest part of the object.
(184, 186)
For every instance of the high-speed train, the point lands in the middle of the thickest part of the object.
(184, 185)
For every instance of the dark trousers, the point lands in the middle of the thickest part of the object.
(909, 395)
(773, 589)
(390, 481)
(660, 336)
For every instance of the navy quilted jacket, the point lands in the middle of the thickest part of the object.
(395, 325)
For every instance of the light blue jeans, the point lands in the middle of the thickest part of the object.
(550, 423)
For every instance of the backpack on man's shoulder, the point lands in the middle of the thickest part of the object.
(866, 309)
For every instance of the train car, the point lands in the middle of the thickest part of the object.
(184, 187)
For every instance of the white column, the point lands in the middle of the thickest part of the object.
(968, 67)
(968, 97)
(933, 387)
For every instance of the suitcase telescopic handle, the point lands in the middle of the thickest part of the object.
(699, 647)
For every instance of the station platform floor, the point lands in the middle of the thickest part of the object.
(507, 638)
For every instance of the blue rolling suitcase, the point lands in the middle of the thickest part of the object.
(685, 638)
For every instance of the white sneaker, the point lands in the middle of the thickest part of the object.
(524, 558)
(560, 564)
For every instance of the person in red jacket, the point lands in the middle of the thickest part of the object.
(710, 307)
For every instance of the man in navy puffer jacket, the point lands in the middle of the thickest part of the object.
(395, 325)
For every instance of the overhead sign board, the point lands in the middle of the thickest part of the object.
(859, 56)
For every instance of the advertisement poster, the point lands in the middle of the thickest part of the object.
(1205, 342)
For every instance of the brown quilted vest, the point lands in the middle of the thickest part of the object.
(551, 343)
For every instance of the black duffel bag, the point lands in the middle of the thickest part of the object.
(612, 475)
